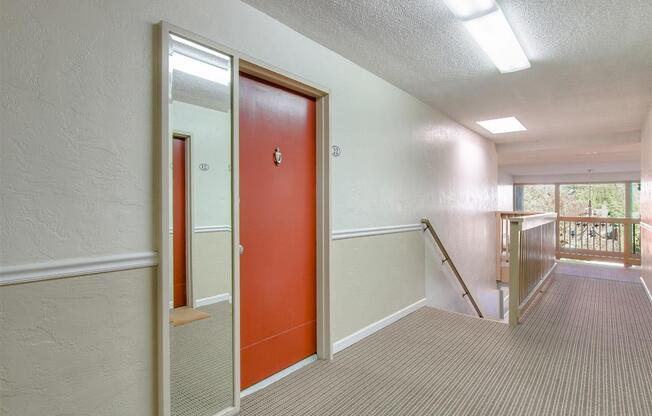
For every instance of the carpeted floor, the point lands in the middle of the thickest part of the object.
(201, 371)
(585, 348)
(599, 271)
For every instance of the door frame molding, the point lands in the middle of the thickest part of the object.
(190, 218)
(278, 76)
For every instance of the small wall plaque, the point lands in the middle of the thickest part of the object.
(336, 150)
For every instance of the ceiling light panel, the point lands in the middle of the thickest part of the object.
(465, 9)
(502, 125)
(496, 38)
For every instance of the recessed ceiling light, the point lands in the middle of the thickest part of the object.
(497, 40)
(489, 28)
(465, 9)
(502, 125)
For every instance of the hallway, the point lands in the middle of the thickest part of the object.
(585, 348)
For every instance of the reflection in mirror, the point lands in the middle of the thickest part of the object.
(201, 339)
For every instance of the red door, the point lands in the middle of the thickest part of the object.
(277, 229)
(179, 220)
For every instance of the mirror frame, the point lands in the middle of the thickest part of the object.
(252, 66)
(165, 29)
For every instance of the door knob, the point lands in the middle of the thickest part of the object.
(278, 156)
(241, 249)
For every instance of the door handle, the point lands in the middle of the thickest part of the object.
(241, 249)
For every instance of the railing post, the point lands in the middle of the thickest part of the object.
(514, 271)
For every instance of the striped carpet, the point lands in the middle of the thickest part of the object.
(585, 348)
(201, 373)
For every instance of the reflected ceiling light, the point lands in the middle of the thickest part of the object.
(198, 46)
(496, 38)
(465, 9)
(490, 29)
(200, 69)
(502, 125)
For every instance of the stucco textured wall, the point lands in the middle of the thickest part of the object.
(79, 346)
(78, 180)
(646, 201)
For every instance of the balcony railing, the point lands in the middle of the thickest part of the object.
(599, 238)
(531, 259)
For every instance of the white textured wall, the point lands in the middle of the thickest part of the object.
(646, 200)
(210, 143)
(78, 125)
(461, 205)
(505, 191)
(78, 162)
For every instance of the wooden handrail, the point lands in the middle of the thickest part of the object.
(602, 219)
(447, 259)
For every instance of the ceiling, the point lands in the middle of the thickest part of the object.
(589, 88)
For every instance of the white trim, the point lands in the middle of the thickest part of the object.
(365, 232)
(212, 228)
(276, 377)
(646, 226)
(376, 326)
(647, 289)
(212, 299)
(57, 269)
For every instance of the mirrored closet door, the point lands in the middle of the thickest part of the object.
(199, 141)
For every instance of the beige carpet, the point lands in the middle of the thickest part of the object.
(585, 348)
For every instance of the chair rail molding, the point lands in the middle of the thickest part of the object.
(57, 269)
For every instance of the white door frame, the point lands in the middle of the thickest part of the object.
(252, 66)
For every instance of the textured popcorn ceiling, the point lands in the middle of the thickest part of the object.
(591, 75)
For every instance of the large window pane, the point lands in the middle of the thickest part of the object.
(592, 200)
(534, 198)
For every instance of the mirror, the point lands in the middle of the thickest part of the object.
(200, 243)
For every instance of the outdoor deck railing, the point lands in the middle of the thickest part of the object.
(531, 259)
(600, 238)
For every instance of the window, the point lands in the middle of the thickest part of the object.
(534, 198)
(592, 200)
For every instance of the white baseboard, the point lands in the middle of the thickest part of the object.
(647, 289)
(376, 326)
(276, 377)
(56, 269)
(213, 299)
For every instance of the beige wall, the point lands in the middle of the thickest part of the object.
(211, 264)
(372, 277)
(646, 201)
(79, 346)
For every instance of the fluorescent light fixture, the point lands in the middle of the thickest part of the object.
(502, 125)
(200, 69)
(494, 35)
(465, 9)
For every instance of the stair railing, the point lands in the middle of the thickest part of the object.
(447, 259)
